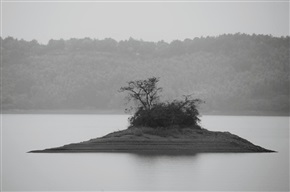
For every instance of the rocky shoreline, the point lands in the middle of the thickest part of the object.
(173, 141)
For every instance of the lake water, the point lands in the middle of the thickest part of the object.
(22, 171)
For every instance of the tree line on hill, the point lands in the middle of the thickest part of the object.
(232, 73)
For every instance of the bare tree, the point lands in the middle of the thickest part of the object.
(144, 92)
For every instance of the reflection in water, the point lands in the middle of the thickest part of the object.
(163, 171)
(153, 159)
(164, 154)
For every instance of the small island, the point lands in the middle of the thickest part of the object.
(172, 141)
(161, 127)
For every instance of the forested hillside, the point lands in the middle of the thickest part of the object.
(234, 74)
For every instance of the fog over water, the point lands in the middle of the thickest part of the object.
(76, 55)
(60, 57)
(109, 171)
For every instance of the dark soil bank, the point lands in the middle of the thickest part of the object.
(148, 140)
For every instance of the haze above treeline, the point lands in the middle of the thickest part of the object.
(233, 73)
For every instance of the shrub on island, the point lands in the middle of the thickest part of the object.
(150, 112)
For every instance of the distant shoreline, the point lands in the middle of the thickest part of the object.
(121, 112)
(64, 111)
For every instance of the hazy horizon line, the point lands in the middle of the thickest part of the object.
(141, 39)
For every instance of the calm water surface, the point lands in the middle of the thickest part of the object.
(22, 171)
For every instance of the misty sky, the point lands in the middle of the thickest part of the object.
(148, 21)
